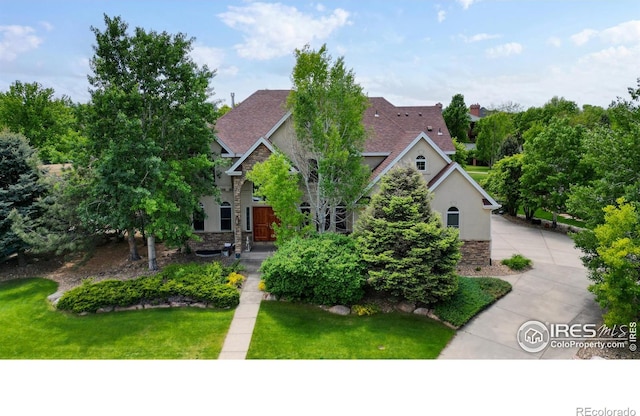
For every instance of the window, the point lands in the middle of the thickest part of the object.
(255, 196)
(341, 219)
(225, 216)
(453, 217)
(313, 170)
(421, 163)
(198, 218)
(248, 217)
(305, 208)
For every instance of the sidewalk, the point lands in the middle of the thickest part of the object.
(236, 344)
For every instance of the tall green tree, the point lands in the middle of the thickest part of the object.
(20, 189)
(277, 183)
(47, 122)
(611, 254)
(492, 131)
(456, 116)
(612, 155)
(150, 130)
(408, 252)
(552, 164)
(503, 181)
(327, 106)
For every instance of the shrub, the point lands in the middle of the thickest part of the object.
(407, 251)
(201, 283)
(365, 310)
(473, 295)
(235, 279)
(324, 269)
(517, 262)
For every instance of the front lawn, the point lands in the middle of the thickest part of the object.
(33, 329)
(546, 215)
(298, 331)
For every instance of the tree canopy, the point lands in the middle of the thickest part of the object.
(408, 252)
(456, 116)
(150, 130)
(327, 106)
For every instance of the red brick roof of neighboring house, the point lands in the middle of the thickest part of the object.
(391, 128)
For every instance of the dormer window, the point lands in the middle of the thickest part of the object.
(421, 163)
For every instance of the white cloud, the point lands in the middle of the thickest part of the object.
(623, 33)
(554, 41)
(466, 3)
(583, 37)
(213, 58)
(507, 49)
(15, 40)
(272, 30)
(627, 32)
(47, 26)
(441, 16)
(479, 37)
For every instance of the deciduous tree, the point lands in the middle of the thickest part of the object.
(327, 106)
(492, 131)
(150, 130)
(456, 116)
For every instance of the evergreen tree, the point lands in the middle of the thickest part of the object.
(20, 188)
(408, 252)
(456, 116)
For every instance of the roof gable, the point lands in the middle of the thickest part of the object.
(233, 170)
(487, 201)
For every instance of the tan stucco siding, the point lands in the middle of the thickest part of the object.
(456, 191)
(435, 162)
(212, 211)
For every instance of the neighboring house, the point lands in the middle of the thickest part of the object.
(398, 135)
(475, 114)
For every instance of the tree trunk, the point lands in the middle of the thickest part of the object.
(133, 248)
(22, 259)
(151, 249)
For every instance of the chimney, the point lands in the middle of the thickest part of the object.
(439, 105)
(233, 100)
(475, 110)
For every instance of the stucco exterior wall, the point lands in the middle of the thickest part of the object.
(456, 191)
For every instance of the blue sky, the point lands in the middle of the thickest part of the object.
(410, 52)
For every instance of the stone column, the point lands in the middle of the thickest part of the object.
(238, 181)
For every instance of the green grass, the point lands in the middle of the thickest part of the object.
(296, 331)
(477, 173)
(473, 296)
(33, 329)
(546, 215)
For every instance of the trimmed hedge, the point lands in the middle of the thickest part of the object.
(200, 283)
(474, 294)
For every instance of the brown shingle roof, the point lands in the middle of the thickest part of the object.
(389, 132)
(241, 127)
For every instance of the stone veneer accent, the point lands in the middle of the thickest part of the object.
(211, 241)
(475, 253)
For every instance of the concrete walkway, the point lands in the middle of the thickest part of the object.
(238, 339)
(553, 291)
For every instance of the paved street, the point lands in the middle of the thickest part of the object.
(553, 291)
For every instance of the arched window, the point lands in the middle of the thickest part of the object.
(225, 216)
(453, 217)
(421, 163)
(198, 218)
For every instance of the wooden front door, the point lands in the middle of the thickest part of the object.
(263, 218)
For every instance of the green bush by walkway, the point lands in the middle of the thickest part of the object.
(298, 331)
(474, 294)
(32, 329)
(200, 283)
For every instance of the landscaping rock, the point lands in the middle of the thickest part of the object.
(340, 310)
(127, 308)
(55, 297)
(178, 304)
(269, 296)
(406, 307)
(422, 311)
(199, 305)
(105, 309)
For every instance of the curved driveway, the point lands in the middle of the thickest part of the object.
(553, 291)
